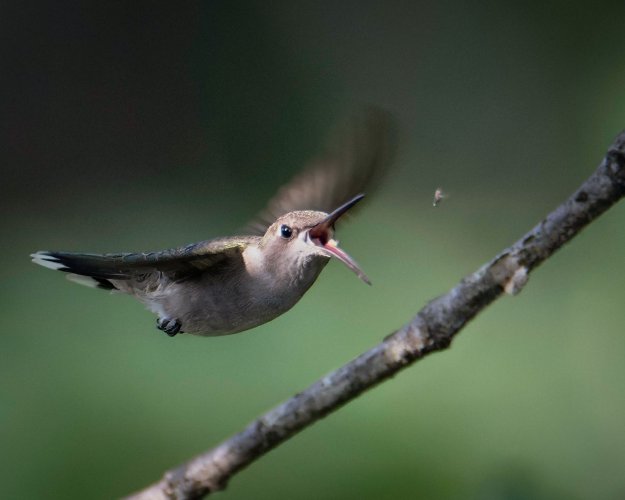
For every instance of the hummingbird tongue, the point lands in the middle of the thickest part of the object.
(320, 236)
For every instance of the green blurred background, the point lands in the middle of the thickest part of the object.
(145, 125)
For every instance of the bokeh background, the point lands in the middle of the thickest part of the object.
(144, 125)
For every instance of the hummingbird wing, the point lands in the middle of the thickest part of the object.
(175, 262)
(354, 162)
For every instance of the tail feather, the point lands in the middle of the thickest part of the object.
(91, 282)
(87, 269)
(45, 259)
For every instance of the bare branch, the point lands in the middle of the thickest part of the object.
(431, 330)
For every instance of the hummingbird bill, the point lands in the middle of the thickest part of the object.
(231, 284)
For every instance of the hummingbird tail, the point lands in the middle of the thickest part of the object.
(92, 270)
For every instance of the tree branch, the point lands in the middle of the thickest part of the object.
(431, 330)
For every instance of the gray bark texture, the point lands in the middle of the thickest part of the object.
(432, 329)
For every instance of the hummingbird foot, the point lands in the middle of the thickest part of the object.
(170, 326)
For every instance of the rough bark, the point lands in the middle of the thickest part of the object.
(432, 329)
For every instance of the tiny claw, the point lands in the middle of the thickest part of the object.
(169, 325)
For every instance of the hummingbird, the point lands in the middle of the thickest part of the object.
(231, 284)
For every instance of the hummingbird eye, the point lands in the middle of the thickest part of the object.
(285, 231)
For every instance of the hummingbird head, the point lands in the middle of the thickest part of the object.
(308, 236)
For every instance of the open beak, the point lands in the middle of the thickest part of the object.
(321, 235)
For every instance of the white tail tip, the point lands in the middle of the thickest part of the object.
(83, 280)
(46, 260)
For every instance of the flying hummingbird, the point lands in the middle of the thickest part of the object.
(231, 284)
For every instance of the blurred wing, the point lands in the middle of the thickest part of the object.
(174, 262)
(354, 162)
